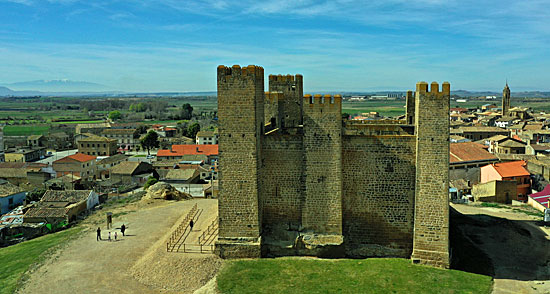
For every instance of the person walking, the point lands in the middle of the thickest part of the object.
(123, 229)
(115, 236)
(191, 225)
(98, 237)
(109, 236)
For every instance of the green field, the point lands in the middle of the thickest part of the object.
(26, 130)
(16, 260)
(385, 108)
(376, 275)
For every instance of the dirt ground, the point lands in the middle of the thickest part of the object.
(136, 263)
(510, 246)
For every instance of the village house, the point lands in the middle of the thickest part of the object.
(535, 136)
(478, 133)
(540, 200)
(537, 149)
(208, 172)
(96, 145)
(505, 121)
(466, 159)
(179, 151)
(10, 196)
(36, 141)
(131, 172)
(207, 138)
(495, 191)
(104, 164)
(81, 165)
(181, 176)
(57, 206)
(127, 139)
(519, 112)
(509, 171)
(59, 141)
(94, 128)
(19, 173)
(508, 146)
(25, 154)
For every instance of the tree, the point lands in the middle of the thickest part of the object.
(35, 194)
(151, 140)
(186, 111)
(150, 182)
(193, 129)
(115, 115)
(141, 129)
(345, 115)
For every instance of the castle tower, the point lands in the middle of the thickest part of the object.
(293, 91)
(241, 120)
(322, 213)
(431, 219)
(506, 100)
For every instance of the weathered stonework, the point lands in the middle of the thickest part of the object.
(297, 180)
(431, 219)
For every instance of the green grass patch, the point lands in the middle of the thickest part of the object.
(140, 155)
(490, 204)
(16, 259)
(377, 275)
(26, 130)
(529, 212)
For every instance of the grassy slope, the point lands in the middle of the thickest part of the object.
(345, 276)
(16, 260)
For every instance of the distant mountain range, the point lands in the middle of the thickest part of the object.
(62, 85)
(66, 87)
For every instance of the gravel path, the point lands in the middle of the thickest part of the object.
(137, 263)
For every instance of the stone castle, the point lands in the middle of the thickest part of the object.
(297, 179)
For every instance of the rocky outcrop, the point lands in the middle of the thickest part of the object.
(162, 190)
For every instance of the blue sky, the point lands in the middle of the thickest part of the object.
(171, 45)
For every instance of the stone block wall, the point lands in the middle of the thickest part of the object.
(431, 223)
(282, 185)
(273, 108)
(378, 194)
(323, 164)
(292, 104)
(241, 120)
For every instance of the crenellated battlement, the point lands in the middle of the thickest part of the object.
(326, 99)
(237, 70)
(422, 87)
(286, 78)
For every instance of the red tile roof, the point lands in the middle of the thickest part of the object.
(512, 169)
(180, 150)
(80, 157)
(542, 197)
(469, 151)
